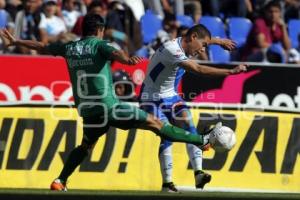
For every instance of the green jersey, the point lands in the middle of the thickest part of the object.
(89, 68)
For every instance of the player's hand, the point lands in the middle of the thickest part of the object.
(133, 60)
(239, 69)
(227, 44)
(9, 39)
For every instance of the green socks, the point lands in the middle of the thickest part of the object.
(176, 134)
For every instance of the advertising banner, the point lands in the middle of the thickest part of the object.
(35, 142)
(263, 85)
(26, 79)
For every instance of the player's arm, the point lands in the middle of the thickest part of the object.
(31, 44)
(224, 43)
(193, 66)
(121, 57)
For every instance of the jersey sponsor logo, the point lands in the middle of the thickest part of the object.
(179, 55)
(80, 62)
(78, 49)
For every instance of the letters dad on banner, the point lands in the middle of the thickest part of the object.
(36, 141)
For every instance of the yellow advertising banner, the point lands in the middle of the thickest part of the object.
(35, 142)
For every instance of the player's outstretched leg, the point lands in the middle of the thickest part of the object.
(173, 133)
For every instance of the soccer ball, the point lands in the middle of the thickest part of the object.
(222, 138)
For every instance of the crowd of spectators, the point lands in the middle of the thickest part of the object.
(51, 21)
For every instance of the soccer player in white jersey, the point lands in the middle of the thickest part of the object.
(159, 94)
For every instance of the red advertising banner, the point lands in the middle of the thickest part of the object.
(45, 78)
(26, 78)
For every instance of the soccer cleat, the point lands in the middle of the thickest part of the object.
(58, 185)
(169, 187)
(201, 178)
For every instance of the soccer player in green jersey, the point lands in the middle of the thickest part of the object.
(89, 69)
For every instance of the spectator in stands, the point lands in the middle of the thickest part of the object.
(265, 32)
(114, 29)
(27, 24)
(170, 25)
(124, 86)
(12, 7)
(193, 8)
(5, 22)
(70, 14)
(95, 7)
(228, 8)
(161, 7)
(258, 6)
(114, 25)
(53, 25)
(5, 18)
(291, 9)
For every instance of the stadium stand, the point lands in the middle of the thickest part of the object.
(185, 20)
(214, 25)
(238, 29)
(150, 25)
(294, 32)
(218, 55)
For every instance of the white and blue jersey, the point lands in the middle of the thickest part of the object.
(159, 94)
(162, 70)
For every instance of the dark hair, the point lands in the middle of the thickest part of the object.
(200, 30)
(94, 4)
(273, 3)
(122, 77)
(91, 23)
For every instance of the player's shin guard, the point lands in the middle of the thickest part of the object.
(176, 134)
(195, 156)
(194, 152)
(166, 161)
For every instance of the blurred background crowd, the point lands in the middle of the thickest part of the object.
(264, 30)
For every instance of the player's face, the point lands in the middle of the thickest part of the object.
(197, 46)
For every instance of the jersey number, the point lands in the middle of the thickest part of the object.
(83, 85)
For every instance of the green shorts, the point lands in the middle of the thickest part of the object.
(121, 115)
